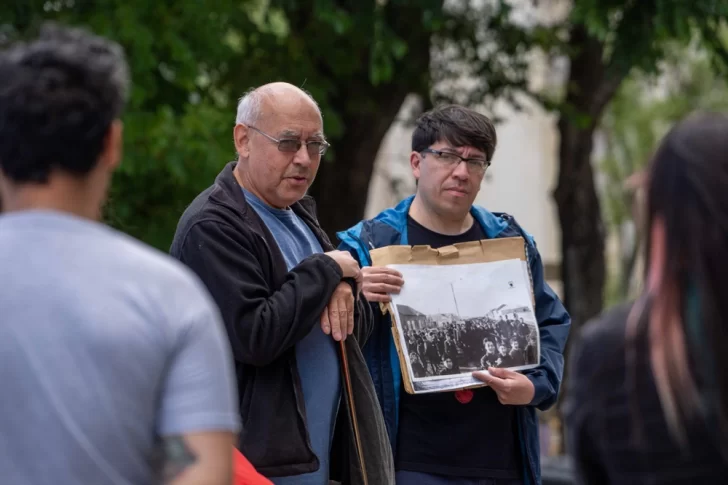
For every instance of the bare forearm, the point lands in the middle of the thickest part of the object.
(198, 459)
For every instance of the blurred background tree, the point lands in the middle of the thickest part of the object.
(634, 67)
(174, 141)
(607, 40)
(604, 41)
(360, 59)
(189, 63)
(644, 108)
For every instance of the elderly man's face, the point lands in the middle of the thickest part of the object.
(282, 178)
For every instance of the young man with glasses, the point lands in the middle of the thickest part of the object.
(486, 435)
(288, 298)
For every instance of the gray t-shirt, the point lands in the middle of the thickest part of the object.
(316, 355)
(105, 345)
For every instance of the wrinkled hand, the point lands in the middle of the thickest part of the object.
(511, 387)
(337, 318)
(349, 266)
(378, 282)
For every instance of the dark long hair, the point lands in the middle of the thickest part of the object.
(685, 315)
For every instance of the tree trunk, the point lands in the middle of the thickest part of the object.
(342, 183)
(367, 112)
(591, 85)
(582, 231)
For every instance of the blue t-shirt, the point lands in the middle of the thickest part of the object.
(316, 355)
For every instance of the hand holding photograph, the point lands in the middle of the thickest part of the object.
(455, 319)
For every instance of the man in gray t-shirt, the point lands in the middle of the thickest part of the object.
(105, 347)
(114, 365)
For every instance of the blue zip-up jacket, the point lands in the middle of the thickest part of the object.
(390, 228)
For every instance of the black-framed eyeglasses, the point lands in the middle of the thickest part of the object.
(475, 165)
(315, 148)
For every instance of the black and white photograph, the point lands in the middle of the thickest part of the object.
(456, 319)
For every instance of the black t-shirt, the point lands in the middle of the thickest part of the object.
(437, 433)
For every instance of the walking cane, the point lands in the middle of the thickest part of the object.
(352, 408)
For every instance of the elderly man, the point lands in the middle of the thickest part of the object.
(113, 358)
(494, 428)
(289, 300)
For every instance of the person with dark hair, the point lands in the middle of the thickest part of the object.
(494, 427)
(648, 393)
(417, 368)
(448, 367)
(113, 357)
(450, 348)
(503, 359)
(488, 359)
(516, 353)
(432, 354)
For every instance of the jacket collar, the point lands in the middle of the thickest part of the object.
(396, 217)
(228, 184)
(230, 194)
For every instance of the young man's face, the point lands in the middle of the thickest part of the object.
(489, 347)
(447, 189)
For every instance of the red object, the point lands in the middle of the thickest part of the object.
(464, 396)
(244, 473)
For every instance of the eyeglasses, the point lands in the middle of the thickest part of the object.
(450, 159)
(315, 148)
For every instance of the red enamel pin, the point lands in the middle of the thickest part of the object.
(464, 396)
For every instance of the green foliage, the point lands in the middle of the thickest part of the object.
(645, 107)
(636, 33)
(177, 131)
(190, 61)
(490, 46)
(483, 43)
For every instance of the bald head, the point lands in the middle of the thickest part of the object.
(279, 138)
(272, 98)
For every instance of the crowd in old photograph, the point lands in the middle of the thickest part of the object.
(454, 346)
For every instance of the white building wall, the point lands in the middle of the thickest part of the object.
(523, 175)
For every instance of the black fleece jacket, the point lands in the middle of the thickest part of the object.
(267, 310)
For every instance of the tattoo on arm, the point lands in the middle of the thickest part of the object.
(177, 457)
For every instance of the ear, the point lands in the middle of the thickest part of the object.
(657, 255)
(415, 161)
(242, 139)
(113, 146)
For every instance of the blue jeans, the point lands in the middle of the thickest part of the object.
(404, 477)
